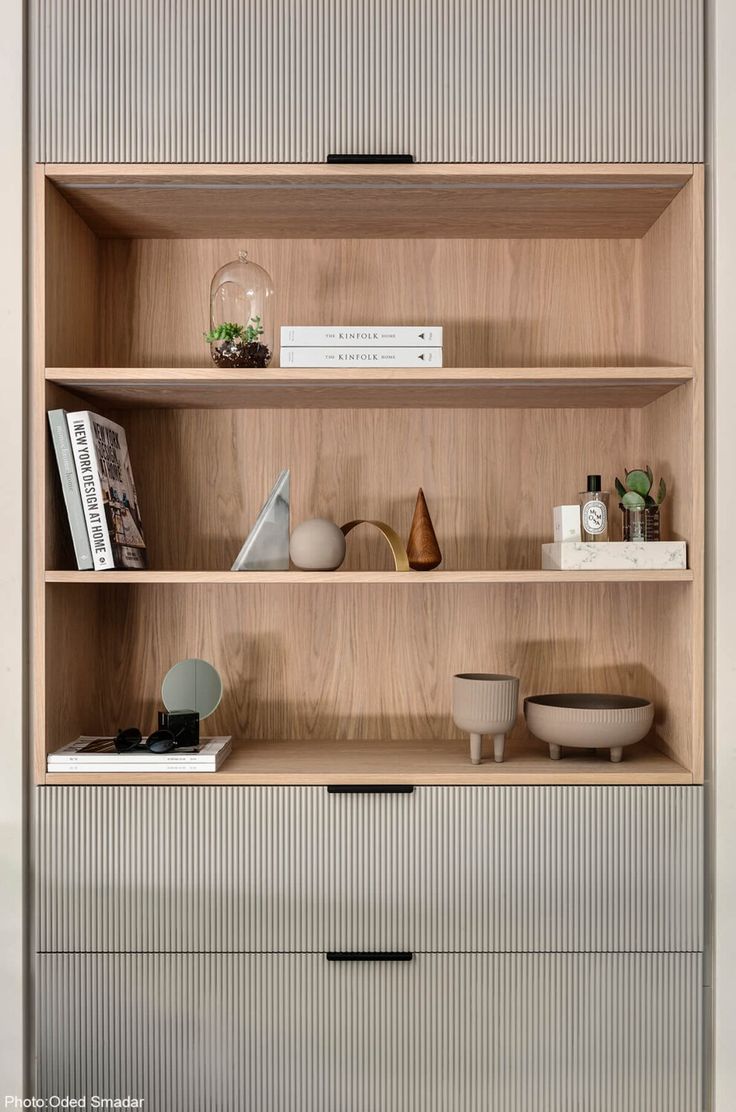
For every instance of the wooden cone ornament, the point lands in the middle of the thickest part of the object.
(423, 550)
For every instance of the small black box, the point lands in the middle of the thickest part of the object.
(184, 725)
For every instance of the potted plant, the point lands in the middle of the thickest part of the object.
(237, 345)
(639, 507)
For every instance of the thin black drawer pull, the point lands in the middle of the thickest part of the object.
(370, 789)
(368, 159)
(369, 955)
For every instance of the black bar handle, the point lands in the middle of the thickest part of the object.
(370, 789)
(368, 159)
(369, 955)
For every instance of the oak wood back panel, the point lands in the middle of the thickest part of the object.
(501, 302)
(490, 476)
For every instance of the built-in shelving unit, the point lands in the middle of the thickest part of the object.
(571, 298)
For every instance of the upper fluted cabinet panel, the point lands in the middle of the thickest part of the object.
(296, 80)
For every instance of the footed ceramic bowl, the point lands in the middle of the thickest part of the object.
(588, 721)
(485, 703)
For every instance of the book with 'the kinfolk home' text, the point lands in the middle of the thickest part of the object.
(344, 357)
(361, 335)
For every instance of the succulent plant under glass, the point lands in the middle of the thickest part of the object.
(237, 345)
(640, 508)
(241, 329)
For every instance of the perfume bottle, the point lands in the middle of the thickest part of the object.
(594, 510)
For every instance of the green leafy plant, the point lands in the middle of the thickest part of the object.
(236, 333)
(635, 491)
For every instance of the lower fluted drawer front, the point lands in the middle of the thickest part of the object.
(438, 1033)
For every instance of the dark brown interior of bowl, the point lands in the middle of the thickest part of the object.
(585, 701)
(482, 676)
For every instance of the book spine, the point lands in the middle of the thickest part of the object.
(136, 766)
(70, 488)
(369, 335)
(90, 487)
(344, 357)
(207, 762)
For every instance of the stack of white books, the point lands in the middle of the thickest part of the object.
(98, 754)
(343, 346)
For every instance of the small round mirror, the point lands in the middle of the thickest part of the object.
(192, 685)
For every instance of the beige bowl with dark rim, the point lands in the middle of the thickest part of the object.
(584, 721)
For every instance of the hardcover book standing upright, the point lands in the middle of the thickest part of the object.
(108, 492)
(66, 462)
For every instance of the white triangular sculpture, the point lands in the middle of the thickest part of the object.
(267, 545)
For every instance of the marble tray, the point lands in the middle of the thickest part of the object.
(614, 556)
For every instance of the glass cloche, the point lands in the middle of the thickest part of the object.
(241, 331)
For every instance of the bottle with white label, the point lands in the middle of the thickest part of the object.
(594, 511)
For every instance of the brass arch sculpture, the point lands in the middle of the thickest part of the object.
(395, 543)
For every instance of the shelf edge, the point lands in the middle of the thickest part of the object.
(292, 578)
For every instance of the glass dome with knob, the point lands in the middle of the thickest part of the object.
(241, 331)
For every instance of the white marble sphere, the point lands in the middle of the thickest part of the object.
(317, 545)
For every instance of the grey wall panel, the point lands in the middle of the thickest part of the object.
(444, 1033)
(296, 869)
(293, 80)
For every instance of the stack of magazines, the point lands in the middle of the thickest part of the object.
(98, 754)
(343, 346)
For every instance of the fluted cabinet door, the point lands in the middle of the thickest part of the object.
(296, 80)
(441, 1033)
(297, 869)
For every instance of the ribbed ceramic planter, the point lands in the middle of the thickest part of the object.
(583, 721)
(485, 703)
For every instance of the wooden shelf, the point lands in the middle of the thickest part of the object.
(410, 201)
(466, 388)
(290, 578)
(408, 762)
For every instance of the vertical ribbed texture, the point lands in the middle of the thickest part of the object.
(443, 869)
(483, 706)
(294, 80)
(443, 1033)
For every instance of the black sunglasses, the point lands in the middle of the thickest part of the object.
(160, 741)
